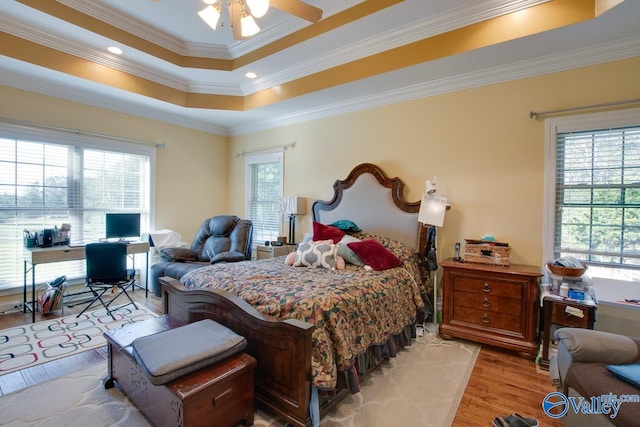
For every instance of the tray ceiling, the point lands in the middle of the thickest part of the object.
(361, 54)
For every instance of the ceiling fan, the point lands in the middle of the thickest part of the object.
(243, 12)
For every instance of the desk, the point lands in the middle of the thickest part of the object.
(35, 256)
(564, 312)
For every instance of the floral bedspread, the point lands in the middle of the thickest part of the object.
(351, 309)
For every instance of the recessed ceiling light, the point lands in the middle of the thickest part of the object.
(250, 75)
(115, 50)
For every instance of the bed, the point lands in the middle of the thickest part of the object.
(313, 331)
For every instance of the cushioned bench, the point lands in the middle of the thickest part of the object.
(183, 375)
(171, 354)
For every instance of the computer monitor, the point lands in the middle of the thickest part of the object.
(122, 225)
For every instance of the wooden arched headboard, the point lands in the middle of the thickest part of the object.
(376, 203)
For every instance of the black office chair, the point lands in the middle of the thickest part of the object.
(106, 269)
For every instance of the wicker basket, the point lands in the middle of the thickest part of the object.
(482, 252)
(566, 271)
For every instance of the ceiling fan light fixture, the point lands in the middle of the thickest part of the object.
(248, 25)
(211, 15)
(258, 8)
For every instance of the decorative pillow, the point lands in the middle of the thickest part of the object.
(290, 259)
(346, 225)
(316, 255)
(324, 232)
(373, 254)
(345, 252)
(403, 252)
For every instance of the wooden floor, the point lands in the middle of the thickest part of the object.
(501, 383)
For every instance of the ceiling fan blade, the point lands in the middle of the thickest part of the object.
(299, 9)
(235, 14)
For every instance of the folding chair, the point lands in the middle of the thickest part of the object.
(107, 269)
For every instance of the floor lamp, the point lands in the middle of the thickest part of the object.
(294, 206)
(431, 214)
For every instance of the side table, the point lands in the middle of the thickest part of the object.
(263, 252)
(564, 312)
(490, 304)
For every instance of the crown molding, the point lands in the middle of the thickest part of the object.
(121, 63)
(400, 36)
(613, 51)
(104, 13)
(381, 42)
(70, 93)
(606, 52)
(236, 49)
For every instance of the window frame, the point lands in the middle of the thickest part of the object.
(576, 123)
(251, 159)
(61, 136)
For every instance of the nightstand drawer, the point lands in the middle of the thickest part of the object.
(492, 303)
(487, 319)
(560, 317)
(487, 287)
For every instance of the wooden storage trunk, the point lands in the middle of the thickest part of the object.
(220, 394)
(482, 252)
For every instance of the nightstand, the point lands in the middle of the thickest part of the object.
(491, 304)
(558, 311)
(263, 252)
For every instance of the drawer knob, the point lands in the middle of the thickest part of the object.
(486, 287)
(485, 318)
(486, 302)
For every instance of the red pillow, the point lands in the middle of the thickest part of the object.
(373, 254)
(327, 232)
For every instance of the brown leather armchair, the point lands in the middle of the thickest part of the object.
(223, 238)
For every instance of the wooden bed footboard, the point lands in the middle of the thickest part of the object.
(282, 348)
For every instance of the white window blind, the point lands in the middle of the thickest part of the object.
(264, 190)
(597, 215)
(45, 184)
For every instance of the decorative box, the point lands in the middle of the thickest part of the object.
(483, 252)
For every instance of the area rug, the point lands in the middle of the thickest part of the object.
(30, 345)
(422, 386)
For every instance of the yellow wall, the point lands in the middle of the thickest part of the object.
(191, 171)
(487, 154)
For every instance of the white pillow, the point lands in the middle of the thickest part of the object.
(345, 252)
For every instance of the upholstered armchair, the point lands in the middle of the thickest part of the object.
(580, 371)
(223, 238)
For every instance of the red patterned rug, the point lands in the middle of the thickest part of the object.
(30, 345)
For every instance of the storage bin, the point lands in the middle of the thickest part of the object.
(482, 252)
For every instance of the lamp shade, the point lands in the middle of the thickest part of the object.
(432, 209)
(248, 26)
(211, 15)
(258, 8)
(296, 205)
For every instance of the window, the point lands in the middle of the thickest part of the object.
(48, 179)
(264, 190)
(595, 195)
